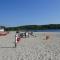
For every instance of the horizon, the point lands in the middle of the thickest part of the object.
(29, 25)
(32, 12)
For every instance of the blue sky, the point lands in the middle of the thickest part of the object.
(29, 12)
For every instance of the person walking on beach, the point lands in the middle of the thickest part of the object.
(17, 38)
(25, 34)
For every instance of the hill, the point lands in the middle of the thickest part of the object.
(34, 27)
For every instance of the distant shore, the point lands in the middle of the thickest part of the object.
(34, 27)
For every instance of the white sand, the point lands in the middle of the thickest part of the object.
(32, 48)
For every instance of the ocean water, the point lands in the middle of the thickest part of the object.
(49, 30)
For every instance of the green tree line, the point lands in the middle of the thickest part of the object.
(34, 27)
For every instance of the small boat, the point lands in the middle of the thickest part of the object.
(3, 33)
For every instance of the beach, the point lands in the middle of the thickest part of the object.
(35, 47)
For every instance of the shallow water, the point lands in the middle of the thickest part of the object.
(49, 30)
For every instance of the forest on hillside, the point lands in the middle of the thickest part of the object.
(34, 27)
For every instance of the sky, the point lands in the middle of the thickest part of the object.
(29, 12)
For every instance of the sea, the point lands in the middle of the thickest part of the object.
(49, 30)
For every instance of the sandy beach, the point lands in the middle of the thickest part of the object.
(33, 48)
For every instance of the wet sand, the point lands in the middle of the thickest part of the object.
(33, 48)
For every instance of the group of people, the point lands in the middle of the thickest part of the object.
(19, 35)
(24, 34)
